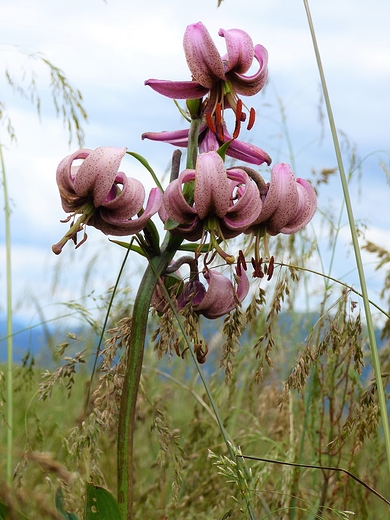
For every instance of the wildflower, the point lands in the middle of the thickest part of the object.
(225, 202)
(96, 194)
(222, 78)
(289, 203)
(220, 297)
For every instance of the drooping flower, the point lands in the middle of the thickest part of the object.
(222, 80)
(289, 203)
(220, 297)
(96, 194)
(225, 202)
(221, 77)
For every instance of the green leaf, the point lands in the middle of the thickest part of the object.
(204, 248)
(65, 515)
(170, 224)
(100, 504)
(222, 150)
(4, 510)
(145, 163)
(126, 245)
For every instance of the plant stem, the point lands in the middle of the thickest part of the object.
(7, 214)
(355, 242)
(155, 270)
(135, 353)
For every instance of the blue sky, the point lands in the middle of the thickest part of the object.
(107, 51)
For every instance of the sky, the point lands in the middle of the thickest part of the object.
(108, 49)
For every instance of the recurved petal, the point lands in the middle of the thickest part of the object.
(176, 137)
(97, 173)
(192, 231)
(251, 85)
(281, 197)
(306, 208)
(177, 89)
(220, 297)
(240, 50)
(65, 176)
(110, 224)
(203, 58)
(128, 201)
(174, 202)
(247, 152)
(212, 190)
(248, 205)
(281, 202)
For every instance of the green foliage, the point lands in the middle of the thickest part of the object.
(100, 504)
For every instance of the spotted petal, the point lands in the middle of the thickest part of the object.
(212, 192)
(240, 51)
(203, 58)
(177, 89)
(221, 297)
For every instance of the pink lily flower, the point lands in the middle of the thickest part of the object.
(98, 195)
(208, 141)
(225, 202)
(223, 78)
(221, 297)
(289, 203)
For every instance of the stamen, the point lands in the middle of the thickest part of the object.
(83, 240)
(258, 271)
(270, 270)
(210, 123)
(237, 127)
(219, 122)
(252, 117)
(241, 259)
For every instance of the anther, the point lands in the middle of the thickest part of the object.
(270, 270)
(218, 120)
(241, 259)
(239, 114)
(252, 117)
(257, 270)
(210, 123)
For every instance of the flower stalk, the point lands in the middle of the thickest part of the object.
(126, 427)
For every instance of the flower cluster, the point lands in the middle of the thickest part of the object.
(205, 202)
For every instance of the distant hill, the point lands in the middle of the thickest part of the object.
(25, 338)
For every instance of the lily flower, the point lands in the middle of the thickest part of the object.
(209, 141)
(221, 77)
(96, 194)
(289, 203)
(220, 297)
(225, 202)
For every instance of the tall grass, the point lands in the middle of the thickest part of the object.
(277, 424)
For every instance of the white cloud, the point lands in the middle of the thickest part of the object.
(109, 49)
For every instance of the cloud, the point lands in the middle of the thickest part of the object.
(109, 49)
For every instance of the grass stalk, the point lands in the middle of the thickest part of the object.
(355, 242)
(9, 393)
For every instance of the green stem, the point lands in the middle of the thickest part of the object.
(355, 242)
(126, 426)
(135, 348)
(7, 214)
